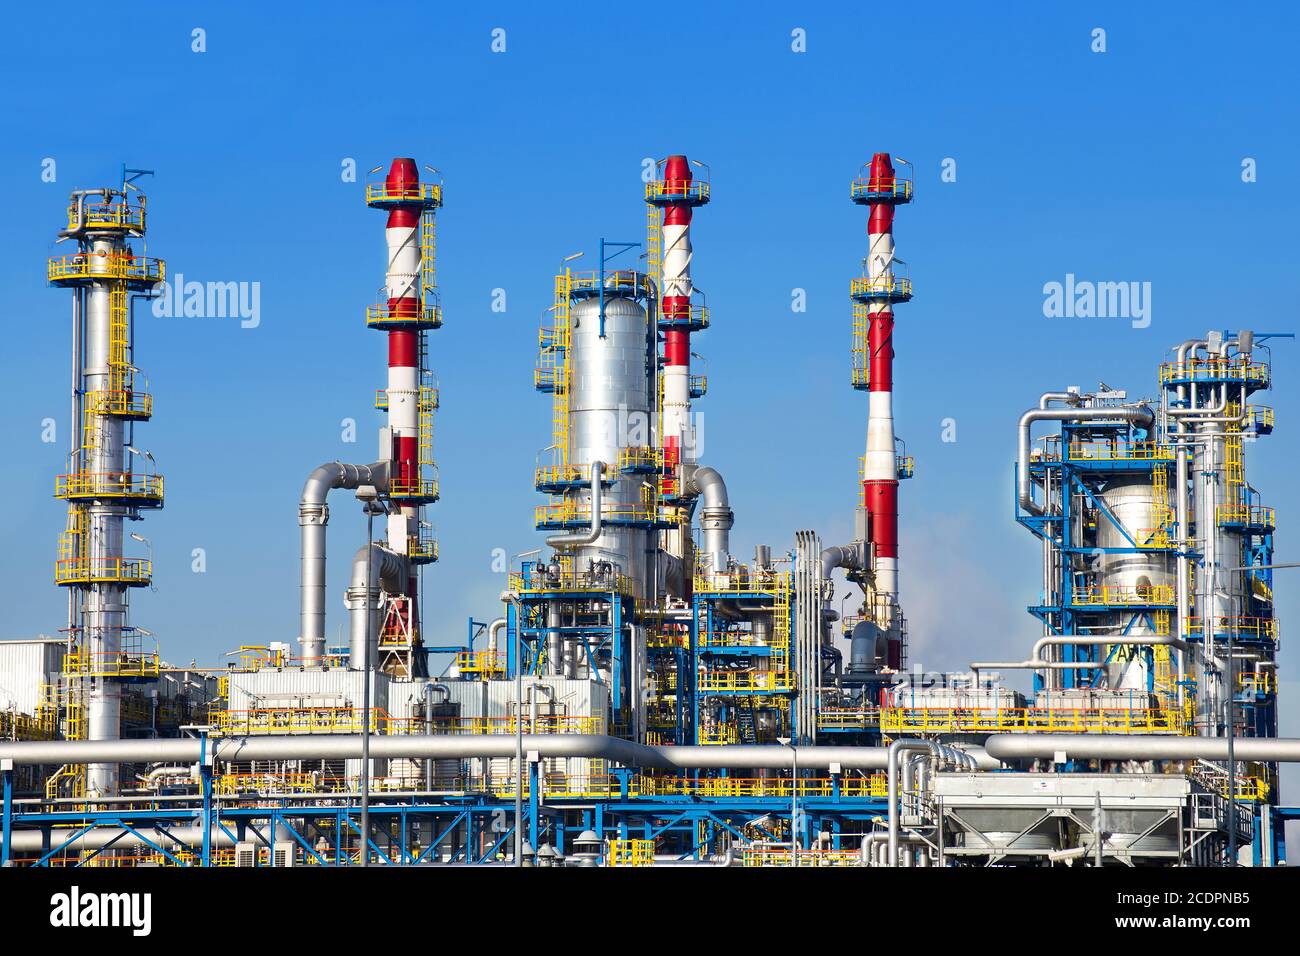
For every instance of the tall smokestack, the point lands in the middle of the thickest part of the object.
(409, 310)
(878, 289)
(678, 194)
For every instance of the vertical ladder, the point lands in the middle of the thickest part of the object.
(428, 254)
(1162, 515)
(559, 349)
(860, 351)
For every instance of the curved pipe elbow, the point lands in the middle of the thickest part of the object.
(848, 557)
(336, 474)
(1140, 415)
(313, 517)
(716, 516)
(591, 535)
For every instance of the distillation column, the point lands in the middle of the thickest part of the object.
(102, 488)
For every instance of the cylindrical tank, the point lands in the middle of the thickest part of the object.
(608, 411)
(1131, 500)
(104, 605)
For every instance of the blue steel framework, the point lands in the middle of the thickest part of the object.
(716, 639)
(1077, 470)
(1080, 605)
(690, 826)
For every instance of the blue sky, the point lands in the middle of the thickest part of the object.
(1118, 166)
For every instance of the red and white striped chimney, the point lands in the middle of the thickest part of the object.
(880, 474)
(676, 289)
(405, 301)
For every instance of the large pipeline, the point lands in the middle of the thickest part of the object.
(1142, 747)
(1141, 416)
(313, 518)
(593, 533)
(716, 517)
(348, 746)
(373, 566)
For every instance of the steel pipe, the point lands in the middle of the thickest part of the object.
(716, 516)
(1142, 747)
(313, 519)
(582, 538)
(1141, 416)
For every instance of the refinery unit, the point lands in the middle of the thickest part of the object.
(645, 696)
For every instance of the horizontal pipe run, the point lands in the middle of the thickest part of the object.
(1036, 661)
(1142, 747)
(348, 746)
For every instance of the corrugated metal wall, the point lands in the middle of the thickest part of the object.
(24, 666)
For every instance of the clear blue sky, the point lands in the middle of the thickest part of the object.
(1123, 165)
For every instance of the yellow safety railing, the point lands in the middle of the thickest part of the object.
(621, 281)
(487, 663)
(905, 466)
(422, 546)
(718, 734)
(1121, 451)
(1262, 682)
(640, 458)
(1138, 594)
(1214, 369)
(338, 720)
(744, 680)
(1259, 627)
(743, 579)
(630, 853)
(409, 192)
(108, 485)
(121, 403)
(848, 718)
(779, 856)
(875, 785)
(570, 579)
(20, 726)
(660, 189)
(896, 720)
(414, 487)
(1254, 515)
(82, 663)
(299, 720)
(429, 314)
(571, 511)
(866, 186)
(554, 475)
(126, 215)
(106, 265)
(83, 570)
(1261, 416)
(881, 285)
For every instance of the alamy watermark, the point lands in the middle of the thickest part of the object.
(76, 909)
(177, 298)
(1084, 299)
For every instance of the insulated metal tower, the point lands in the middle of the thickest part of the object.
(109, 481)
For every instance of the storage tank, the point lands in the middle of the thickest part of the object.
(1131, 574)
(609, 409)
